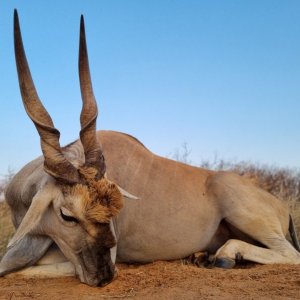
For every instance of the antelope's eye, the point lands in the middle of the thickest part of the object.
(68, 218)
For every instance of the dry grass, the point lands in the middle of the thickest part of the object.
(6, 227)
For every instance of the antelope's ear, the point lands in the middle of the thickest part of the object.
(40, 203)
(26, 252)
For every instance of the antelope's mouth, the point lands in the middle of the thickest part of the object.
(106, 276)
(109, 280)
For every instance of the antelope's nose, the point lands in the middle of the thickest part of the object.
(110, 276)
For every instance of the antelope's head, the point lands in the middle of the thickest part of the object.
(75, 204)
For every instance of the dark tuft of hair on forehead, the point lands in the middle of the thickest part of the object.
(101, 198)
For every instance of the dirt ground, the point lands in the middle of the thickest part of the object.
(167, 280)
(158, 280)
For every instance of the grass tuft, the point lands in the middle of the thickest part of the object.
(6, 227)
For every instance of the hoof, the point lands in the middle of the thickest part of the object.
(197, 259)
(210, 262)
(200, 258)
(224, 263)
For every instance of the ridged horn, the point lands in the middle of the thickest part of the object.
(92, 147)
(55, 163)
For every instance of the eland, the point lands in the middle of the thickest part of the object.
(106, 198)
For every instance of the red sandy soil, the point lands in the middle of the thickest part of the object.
(167, 280)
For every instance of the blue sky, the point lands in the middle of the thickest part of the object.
(222, 76)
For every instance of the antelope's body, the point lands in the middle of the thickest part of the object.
(73, 196)
(181, 209)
